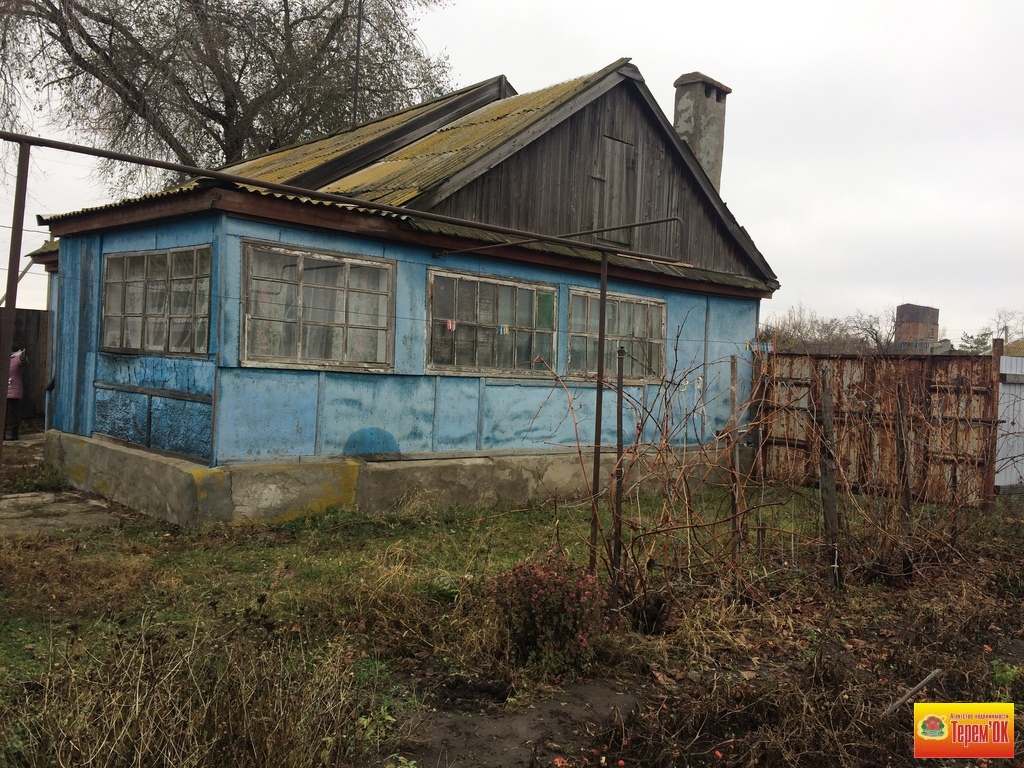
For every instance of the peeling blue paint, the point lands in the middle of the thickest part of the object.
(272, 412)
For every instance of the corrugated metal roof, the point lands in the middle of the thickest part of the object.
(281, 165)
(405, 174)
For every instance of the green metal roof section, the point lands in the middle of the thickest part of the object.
(313, 163)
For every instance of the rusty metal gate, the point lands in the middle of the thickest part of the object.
(947, 403)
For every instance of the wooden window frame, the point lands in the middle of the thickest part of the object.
(640, 350)
(306, 318)
(145, 324)
(531, 341)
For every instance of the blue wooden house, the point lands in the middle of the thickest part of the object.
(447, 309)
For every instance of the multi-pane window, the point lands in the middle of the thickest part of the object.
(157, 302)
(317, 308)
(491, 324)
(636, 325)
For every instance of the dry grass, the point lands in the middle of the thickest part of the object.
(320, 642)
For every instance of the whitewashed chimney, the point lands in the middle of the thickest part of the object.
(700, 120)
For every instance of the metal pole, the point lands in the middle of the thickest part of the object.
(595, 488)
(10, 308)
(617, 507)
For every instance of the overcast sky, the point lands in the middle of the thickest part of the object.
(874, 150)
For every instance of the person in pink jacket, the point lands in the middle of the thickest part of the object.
(15, 390)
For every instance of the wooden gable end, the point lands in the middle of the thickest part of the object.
(607, 165)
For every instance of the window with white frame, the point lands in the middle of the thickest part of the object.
(636, 324)
(482, 323)
(316, 308)
(157, 302)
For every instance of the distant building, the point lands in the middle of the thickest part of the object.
(916, 323)
(917, 330)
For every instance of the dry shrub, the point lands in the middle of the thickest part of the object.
(167, 698)
(824, 679)
(552, 613)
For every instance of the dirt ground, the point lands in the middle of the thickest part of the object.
(45, 511)
(471, 724)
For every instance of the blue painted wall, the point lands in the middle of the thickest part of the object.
(216, 410)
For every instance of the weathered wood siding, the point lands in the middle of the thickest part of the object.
(617, 167)
(950, 407)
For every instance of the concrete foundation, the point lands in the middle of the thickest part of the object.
(186, 493)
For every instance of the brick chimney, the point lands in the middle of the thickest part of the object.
(700, 120)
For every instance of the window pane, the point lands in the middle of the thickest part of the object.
(465, 345)
(272, 339)
(545, 309)
(182, 264)
(506, 305)
(465, 305)
(133, 295)
(180, 339)
(625, 319)
(203, 296)
(132, 333)
(156, 298)
(316, 272)
(640, 321)
(578, 313)
(444, 298)
(115, 269)
(525, 317)
(181, 297)
(113, 299)
(156, 266)
(544, 351)
(323, 305)
(112, 332)
(655, 361)
(654, 315)
(366, 345)
(279, 266)
(591, 354)
(593, 314)
(202, 336)
(577, 353)
(367, 278)
(487, 312)
(524, 349)
(505, 350)
(156, 333)
(321, 342)
(368, 309)
(611, 310)
(136, 268)
(442, 343)
(272, 300)
(203, 259)
(485, 347)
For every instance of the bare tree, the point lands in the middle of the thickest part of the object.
(209, 82)
(1008, 324)
(802, 330)
(877, 331)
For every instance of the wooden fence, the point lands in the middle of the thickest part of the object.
(927, 424)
